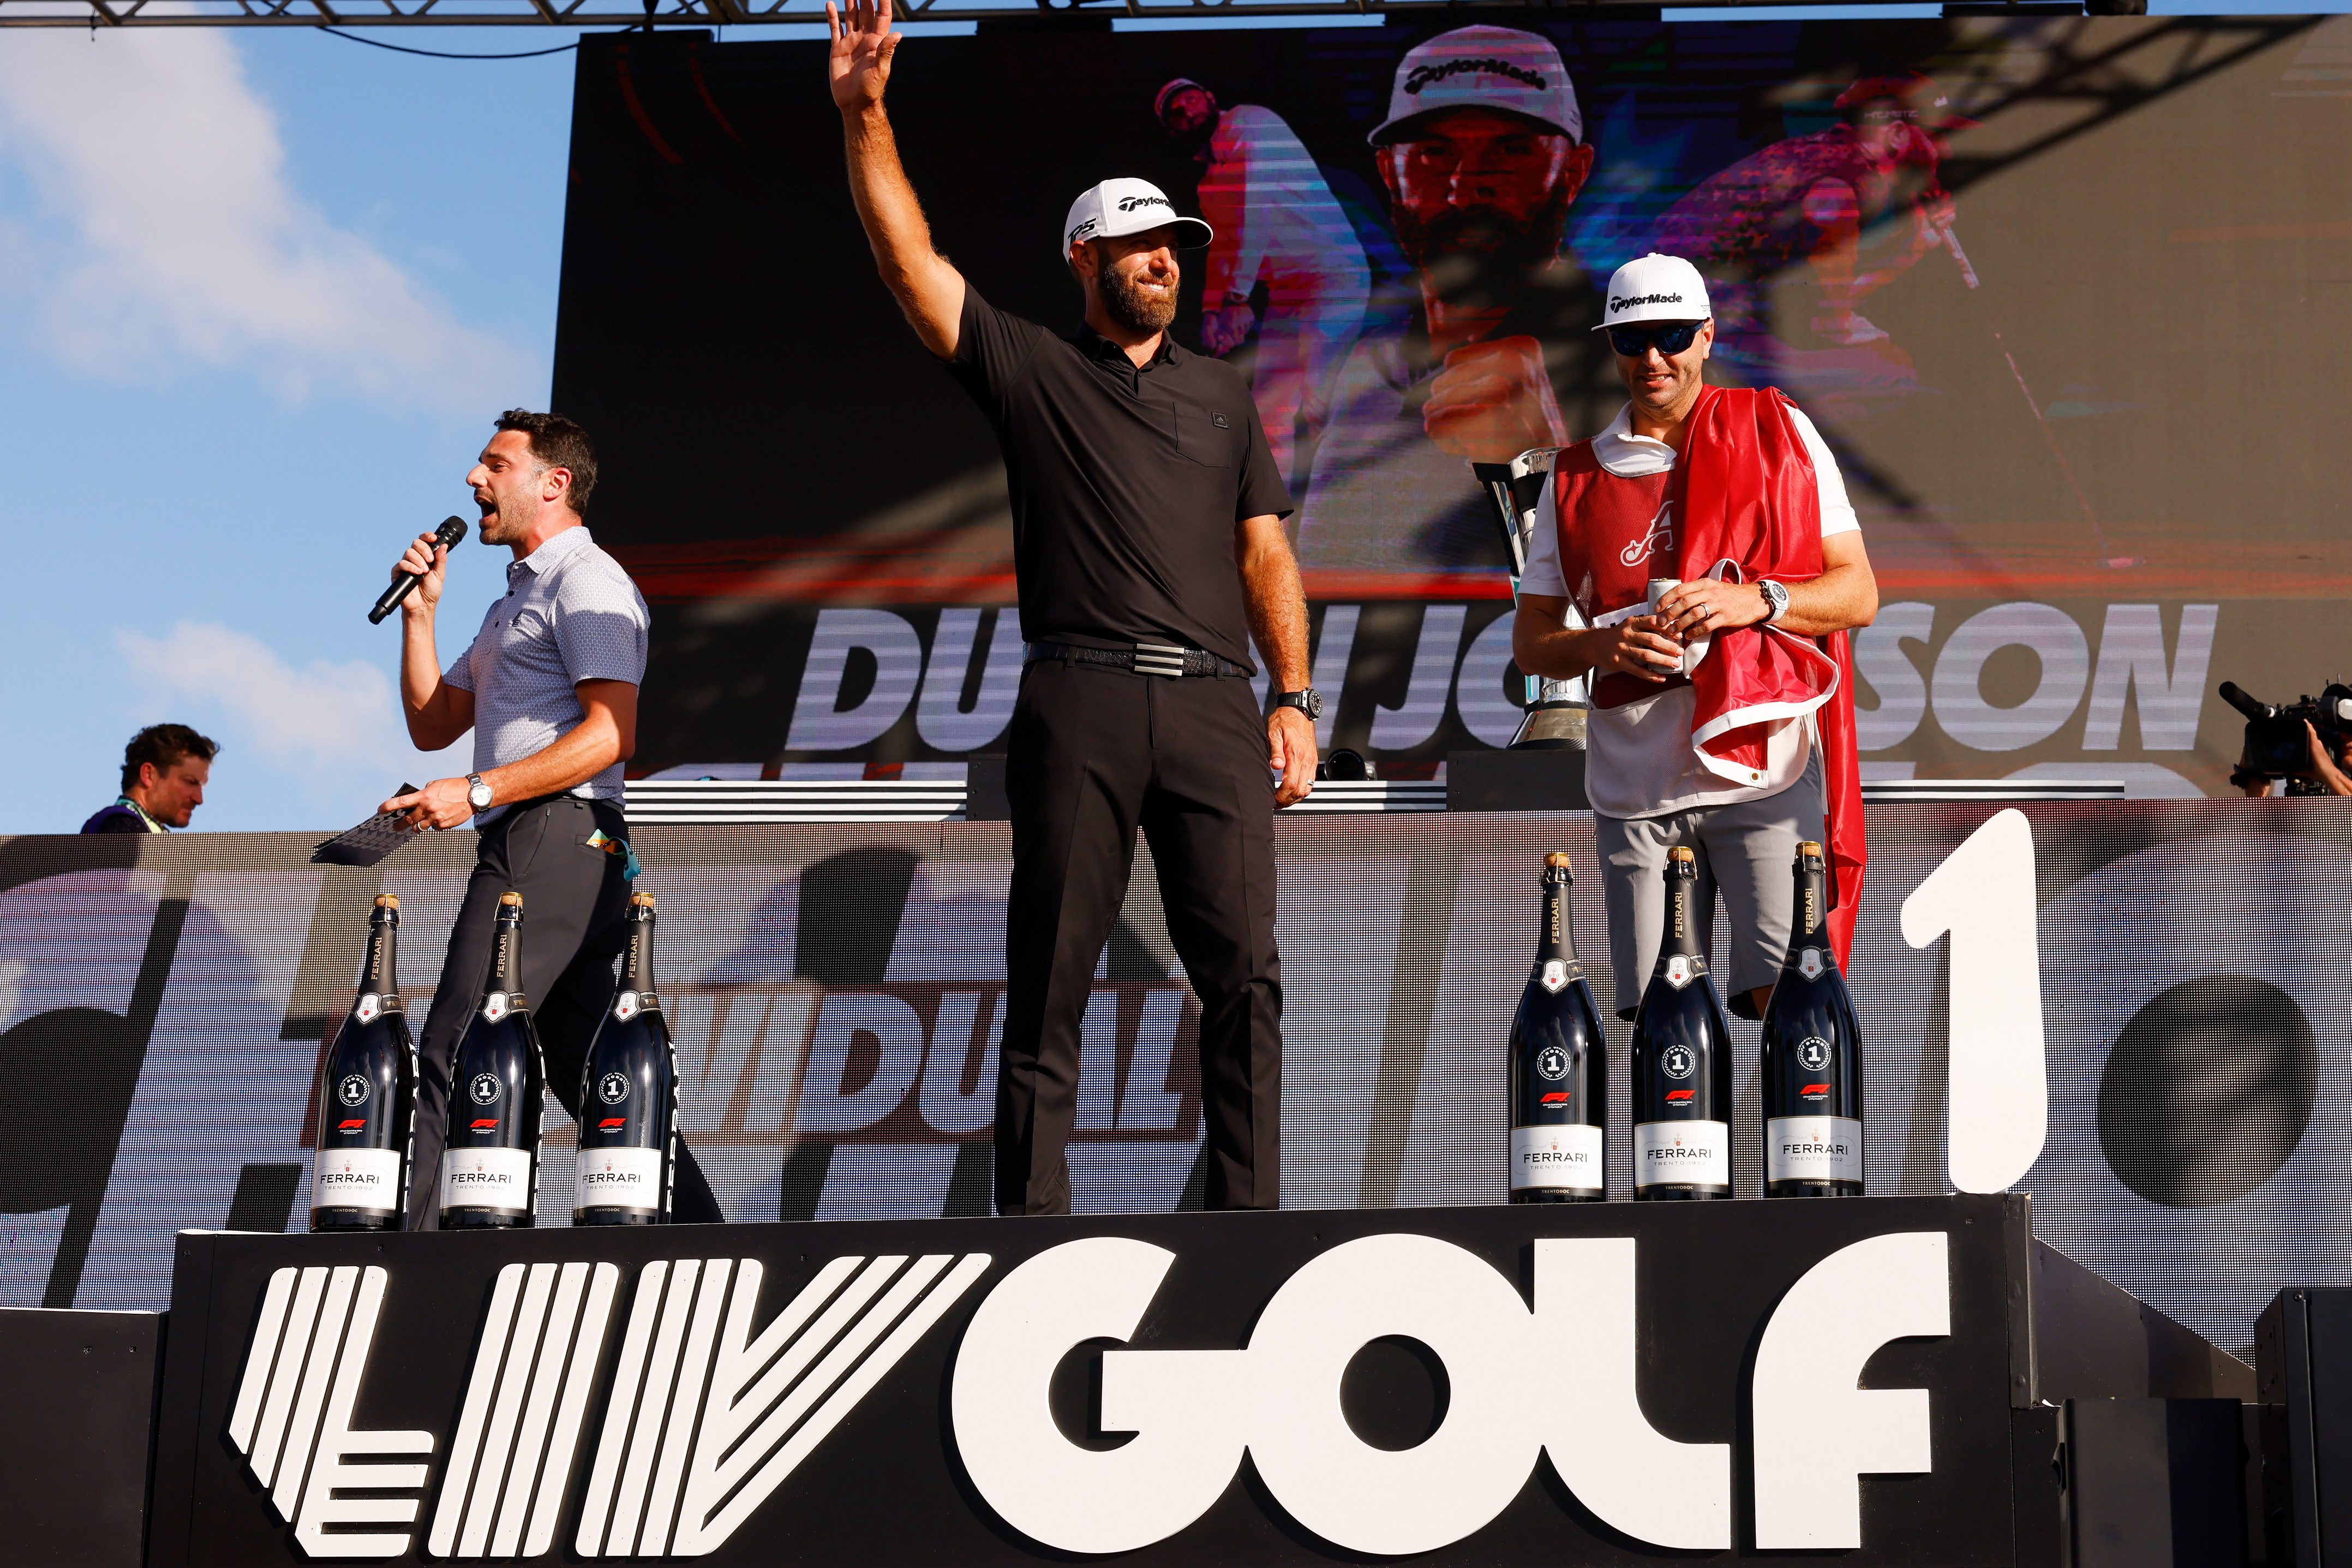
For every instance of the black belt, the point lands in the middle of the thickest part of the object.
(1144, 659)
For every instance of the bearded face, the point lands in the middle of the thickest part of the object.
(1482, 258)
(1480, 202)
(1138, 287)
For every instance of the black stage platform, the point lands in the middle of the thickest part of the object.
(1864, 1381)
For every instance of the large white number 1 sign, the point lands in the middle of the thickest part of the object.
(1999, 1099)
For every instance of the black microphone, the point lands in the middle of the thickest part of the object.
(451, 533)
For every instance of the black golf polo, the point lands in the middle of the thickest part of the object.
(1126, 482)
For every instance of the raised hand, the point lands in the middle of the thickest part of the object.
(863, 44)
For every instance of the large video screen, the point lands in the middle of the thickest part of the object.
(2062, 295)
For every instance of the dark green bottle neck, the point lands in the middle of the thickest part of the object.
(506, 952)
(1808, 920)
(637, 958)
(381, 972)
(1558, 940)
(1681, 934)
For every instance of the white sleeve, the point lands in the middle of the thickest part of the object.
(1543, 575)
(1837, 511)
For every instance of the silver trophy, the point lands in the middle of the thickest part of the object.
(1556, 710)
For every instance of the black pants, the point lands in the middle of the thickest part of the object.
(574, 903)
(1094, 753)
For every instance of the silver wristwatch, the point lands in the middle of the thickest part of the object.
(1307, 699)
(1776, 595)
(477, 793)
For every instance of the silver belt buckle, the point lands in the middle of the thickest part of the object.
(1159, 658)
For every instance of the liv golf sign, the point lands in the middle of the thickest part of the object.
(1473, 1384)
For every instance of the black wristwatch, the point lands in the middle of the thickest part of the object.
(1307, 699)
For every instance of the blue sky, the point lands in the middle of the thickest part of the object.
(259, 293)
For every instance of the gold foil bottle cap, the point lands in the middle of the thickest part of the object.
(387, 900)
(514, 899)
(1556, 860)
(642, 901)
(1682, 852)
(1809, 847)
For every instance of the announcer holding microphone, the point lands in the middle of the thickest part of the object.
(550, 689)
(1148, 544)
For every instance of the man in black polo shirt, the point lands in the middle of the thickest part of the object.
(1148, 541)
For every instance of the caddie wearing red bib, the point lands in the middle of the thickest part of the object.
(1723, 711)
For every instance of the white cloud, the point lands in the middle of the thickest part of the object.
(328, 724)
(167, 233)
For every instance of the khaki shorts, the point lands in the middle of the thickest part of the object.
(1747, 851)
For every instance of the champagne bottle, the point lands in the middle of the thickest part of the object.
(489, 1169)
(367, 1096)
(1559, 1066)
(628, 1095)
(1813, 1057)
(1682, 1060)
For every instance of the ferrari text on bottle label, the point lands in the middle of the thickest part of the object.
(356, 1179)
(1676, 1153)
(1812, 1148)
(1566, 1157)
(620, 1178)
(485, 1179)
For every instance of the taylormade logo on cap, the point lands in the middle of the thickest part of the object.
(1656, 288)
(1421, 75)
(1500, 68)
(1129, 206)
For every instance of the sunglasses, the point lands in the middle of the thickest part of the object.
(1669, 339)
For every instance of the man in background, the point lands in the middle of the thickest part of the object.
(164, 770)
(1276, 224)
(1483, 154)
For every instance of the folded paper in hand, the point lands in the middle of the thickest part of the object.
(372, 840)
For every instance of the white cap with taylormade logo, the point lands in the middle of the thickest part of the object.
(1129, 206)
(1482, 68)
(1656, 288)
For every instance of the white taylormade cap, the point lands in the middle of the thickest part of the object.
(1482, 68)
(1656, 288)
(1129, 206)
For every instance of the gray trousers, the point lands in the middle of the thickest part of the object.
(1746, 850)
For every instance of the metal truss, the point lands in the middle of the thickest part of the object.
(99, 13)
(2091, 73)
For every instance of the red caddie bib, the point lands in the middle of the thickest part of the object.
(1616, 534)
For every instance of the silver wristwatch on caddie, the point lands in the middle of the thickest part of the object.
(1776, 597)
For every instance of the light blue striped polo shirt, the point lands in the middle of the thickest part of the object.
(571, 614)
